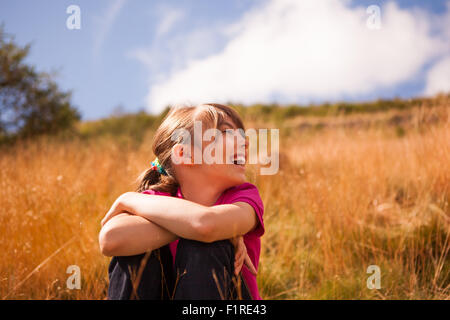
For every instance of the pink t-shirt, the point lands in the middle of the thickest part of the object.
(248, 193)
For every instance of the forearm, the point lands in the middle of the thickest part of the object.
(184, 218)
(126, 235)
(191, 220)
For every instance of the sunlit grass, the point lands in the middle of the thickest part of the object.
(346, 197)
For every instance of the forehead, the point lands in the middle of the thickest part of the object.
(227, 122)
(217, 116)
(212, 116)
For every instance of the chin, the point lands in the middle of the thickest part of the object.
(230, 177)
(237, 179)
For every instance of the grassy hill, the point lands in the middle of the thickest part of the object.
(135, 125)
(358, 185)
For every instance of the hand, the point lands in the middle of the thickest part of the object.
(116, 208)
(241, 256)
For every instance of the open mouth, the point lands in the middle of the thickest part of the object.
(239, 160)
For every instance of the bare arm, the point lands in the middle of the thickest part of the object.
(126, 235)
(188, 219)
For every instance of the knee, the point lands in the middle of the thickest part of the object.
(223, 246)
(219, 251)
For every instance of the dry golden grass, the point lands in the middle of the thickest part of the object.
(346, 197)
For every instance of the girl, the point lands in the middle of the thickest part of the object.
(190, 227)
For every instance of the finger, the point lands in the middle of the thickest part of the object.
(240, 250)
(237, 270)
(115, 209)
(237, 241)
(250, 266)
(239, 253)
(242, 261)
(109, 214)
(239, 260)
(106, 218)
(238, 266)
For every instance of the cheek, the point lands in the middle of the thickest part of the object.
(221, 171)
(225, 174)
(222, 147)
(212, 149)
(228, 147)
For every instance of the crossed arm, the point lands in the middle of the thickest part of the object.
(138, 222)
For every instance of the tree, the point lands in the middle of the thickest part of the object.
(30, 102)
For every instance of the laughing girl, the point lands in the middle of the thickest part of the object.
(192, 230)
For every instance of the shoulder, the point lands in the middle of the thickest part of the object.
(247, 192)
(158, 193)
(245, 187)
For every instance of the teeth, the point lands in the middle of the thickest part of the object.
(239, 160)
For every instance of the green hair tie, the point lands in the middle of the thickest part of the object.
(155, 165)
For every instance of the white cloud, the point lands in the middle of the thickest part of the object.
(104, 24)
(171, 51)
(298, 50)
(169, 17)
(175, 53)
(438, 77)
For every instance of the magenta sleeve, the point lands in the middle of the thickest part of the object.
(248, 193)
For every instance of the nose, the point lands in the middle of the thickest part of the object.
(242, 144)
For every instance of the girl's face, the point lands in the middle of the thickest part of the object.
(229, 151)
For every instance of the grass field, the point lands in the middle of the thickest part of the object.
(352, 191)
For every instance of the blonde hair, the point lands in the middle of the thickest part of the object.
(212, 115)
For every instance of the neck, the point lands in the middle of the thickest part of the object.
(200, 192)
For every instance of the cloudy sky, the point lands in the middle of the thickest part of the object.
(144, 54)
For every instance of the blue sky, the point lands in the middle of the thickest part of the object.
(144, 54)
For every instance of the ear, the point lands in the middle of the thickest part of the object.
(181, 154)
